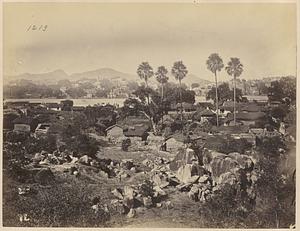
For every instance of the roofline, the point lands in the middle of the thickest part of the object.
(115, 125)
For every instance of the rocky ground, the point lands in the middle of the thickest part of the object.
(141, 187)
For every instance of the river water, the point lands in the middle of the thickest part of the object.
(86, 102)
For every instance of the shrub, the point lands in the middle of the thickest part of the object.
(58, 206)
(126, 144)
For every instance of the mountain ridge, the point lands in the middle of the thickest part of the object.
(105, 72)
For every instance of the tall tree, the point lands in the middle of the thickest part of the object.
(179, 71)
(162, 78)
(145, 72)
(215, 63)
(234, 68)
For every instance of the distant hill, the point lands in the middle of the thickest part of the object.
(101, 73)
(191, 78)
(106, 73)
(46, 78)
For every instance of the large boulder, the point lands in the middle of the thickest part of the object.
(183, 157)
(245, 162)
(184, 174)
(84, 160)
(227, 178)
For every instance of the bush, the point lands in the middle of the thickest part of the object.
(225, 209)
(59, 206)
(126, 144)
(83, 145)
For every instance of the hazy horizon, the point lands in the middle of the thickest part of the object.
(87, 36)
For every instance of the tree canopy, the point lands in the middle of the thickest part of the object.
(224, 93)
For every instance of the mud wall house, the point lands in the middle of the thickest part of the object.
(229, 106)
(24, 124)
(17, 104)
(246, 118)
(204, 105)
(66, 105)
(174, 144)
(114, 133)
(186, 107)
(250, 138)
(9, 116)
(78, 108)
(251, 108)
(138, 132)
(42, 129)
(204, 115)
(52, 106)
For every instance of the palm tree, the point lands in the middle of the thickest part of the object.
(145, 72)
(215, 63)
(179, 71)
(234, 68)
(162, 78)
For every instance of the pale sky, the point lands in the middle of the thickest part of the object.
(82, 37)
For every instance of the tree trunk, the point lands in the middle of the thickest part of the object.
(181, 108)
(153, 125)
(148, 100)
(234, 100)
(162, 99)
(217, 101)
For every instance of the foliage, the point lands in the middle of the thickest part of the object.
(284, 88)
(161, 75)
(179, 70)
(279, 112)
(262, 88)
(234, 67)
(224, 93)
(272, 205)
(126, 144)
(214, 63)
(76, 92)
(145, 72)
(195, 85)
(224, 209)
(62, 205)
(82, 144)
(28, 89)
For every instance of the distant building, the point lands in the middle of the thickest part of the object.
(139, 131)
(246, 118)
(186, 107)
(174, 144)
(204, 115)
(24, 124)
(114, 132)
(66, 105)
(52, 106)
(42, 129)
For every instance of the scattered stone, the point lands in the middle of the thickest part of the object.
(158, 205)
(133, 169)
(118, 193)
(131, 213)
(24, 190)
(84, 160)
(128, 192)
(127, 164)
(159, 191)
(147, 201)
(203, 179)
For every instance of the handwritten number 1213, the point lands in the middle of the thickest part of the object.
(37, 27)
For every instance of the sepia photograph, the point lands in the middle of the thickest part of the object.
(149, 115)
